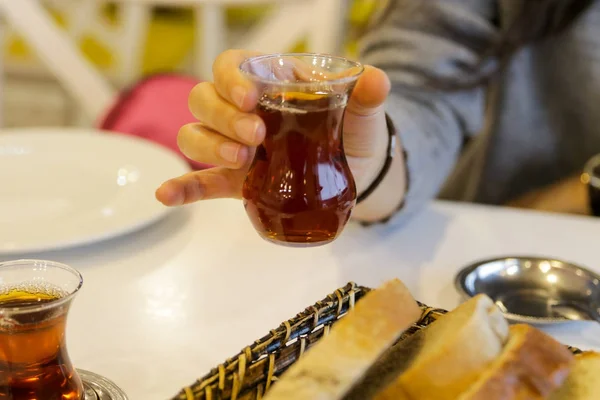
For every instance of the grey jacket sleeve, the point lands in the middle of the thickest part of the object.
(417, 39)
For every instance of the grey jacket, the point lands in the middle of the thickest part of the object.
(537, 123)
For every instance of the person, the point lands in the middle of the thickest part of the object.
(493, 101)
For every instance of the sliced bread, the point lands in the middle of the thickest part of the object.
(329, 369)
(386, 369)
(451, 353)
(531, 366)
(583, 383)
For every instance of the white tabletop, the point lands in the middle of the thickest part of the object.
(160, 307)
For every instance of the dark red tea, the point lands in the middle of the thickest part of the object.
(34, 364)
(299, 189)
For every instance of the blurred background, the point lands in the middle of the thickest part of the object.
(65, 62)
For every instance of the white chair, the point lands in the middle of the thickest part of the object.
(321, 21)
(89, 88)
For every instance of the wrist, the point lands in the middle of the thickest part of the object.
(389, 195)
(385, 194)
(367, 167)
(384, 165)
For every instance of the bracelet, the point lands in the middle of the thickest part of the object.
(388, 161)
(392, 131)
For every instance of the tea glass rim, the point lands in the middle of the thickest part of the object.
(588, 171)
(48, 305)
(336, 81)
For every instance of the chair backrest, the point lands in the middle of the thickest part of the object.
(154, 108)
(60, 55)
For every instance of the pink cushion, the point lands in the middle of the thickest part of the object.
(154, 109)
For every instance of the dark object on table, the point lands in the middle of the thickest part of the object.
(591, 178)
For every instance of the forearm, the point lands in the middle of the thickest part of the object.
(439, 39)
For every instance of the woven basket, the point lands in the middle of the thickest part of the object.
(249, 374)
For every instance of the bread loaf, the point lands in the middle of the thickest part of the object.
(451, 353)
(386, 369)
(329, 369)
(583, 382)
(531, 366)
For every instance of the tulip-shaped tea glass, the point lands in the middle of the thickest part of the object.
(299, 190)
(35, 297)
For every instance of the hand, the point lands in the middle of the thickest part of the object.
(228, 132)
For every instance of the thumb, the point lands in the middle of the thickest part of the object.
(370, 92)
(365, 130)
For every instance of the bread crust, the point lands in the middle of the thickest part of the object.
(532, 366)
(582, 383)
(588, 355)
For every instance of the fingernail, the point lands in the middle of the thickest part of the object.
(229, 151)
(238, 94)
(247, 129)
(172, 197)
(177, 200)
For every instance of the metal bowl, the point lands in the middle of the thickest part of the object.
(534, 290)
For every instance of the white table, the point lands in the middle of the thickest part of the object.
(161, 307)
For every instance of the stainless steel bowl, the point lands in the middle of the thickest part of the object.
(534, 290)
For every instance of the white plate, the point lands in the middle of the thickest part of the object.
(65, 187)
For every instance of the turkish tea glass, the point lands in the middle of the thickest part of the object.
(35, 297)
(299, 190)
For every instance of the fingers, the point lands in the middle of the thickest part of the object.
(219, 115)
(201, 185)
(203, 145)
(231, 84)
(370, 92)
(222, 137)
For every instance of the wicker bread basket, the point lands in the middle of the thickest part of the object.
(250, 373)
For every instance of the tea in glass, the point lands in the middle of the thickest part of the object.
(299, 190)
(35, 297)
